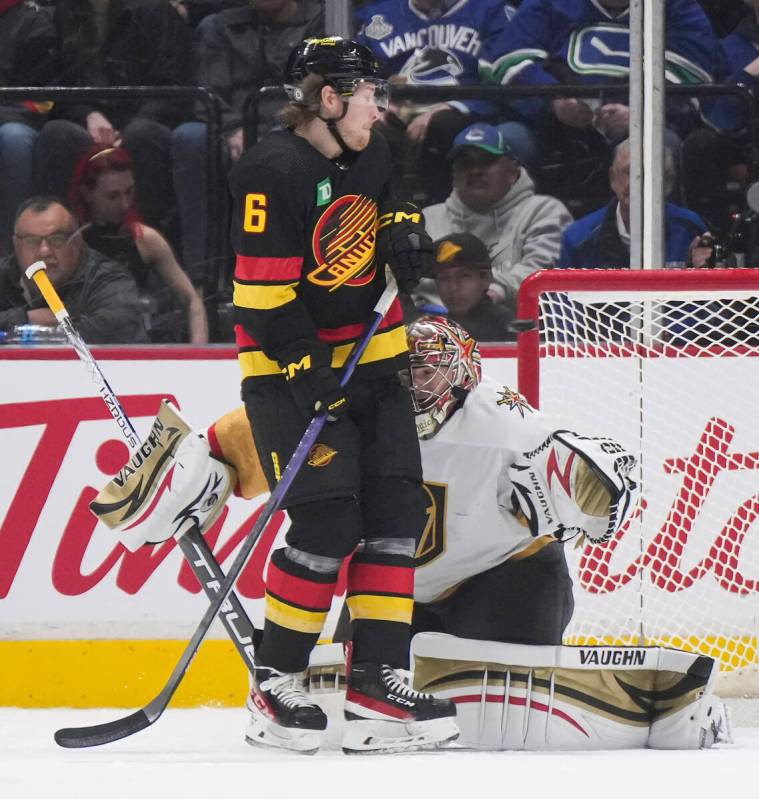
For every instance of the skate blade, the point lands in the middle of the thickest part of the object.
(284, 739)
(369, 737)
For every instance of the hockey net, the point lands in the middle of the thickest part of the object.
(667, 362)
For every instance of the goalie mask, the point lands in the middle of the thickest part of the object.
(445, 367)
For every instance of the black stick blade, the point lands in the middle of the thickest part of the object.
(78, 737)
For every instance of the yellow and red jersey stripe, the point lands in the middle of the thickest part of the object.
(388, 342)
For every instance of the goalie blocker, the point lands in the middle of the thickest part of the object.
(544, 698)
(157, 494)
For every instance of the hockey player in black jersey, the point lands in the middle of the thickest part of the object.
(313, 229)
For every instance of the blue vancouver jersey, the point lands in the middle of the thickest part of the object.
(430, 50)
(578, 41)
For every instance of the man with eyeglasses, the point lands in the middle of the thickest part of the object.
(100, 294)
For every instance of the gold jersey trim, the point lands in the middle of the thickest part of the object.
(382, 347)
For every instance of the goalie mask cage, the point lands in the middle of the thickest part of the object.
(667, 362)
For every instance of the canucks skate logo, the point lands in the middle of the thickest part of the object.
(432, 65)
(321, 455)
(602, 49)
(343, 243)
(513, 400)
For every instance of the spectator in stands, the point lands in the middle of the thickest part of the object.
(717, 154)
(462, 273)
(99, 293)
(241, 50)
(103, 193)
(724, 14)
(119, 43)
(494, 198)
(429, 43)
(28, 57)
(601, 240)
(587, 42)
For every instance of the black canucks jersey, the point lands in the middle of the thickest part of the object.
(304, 232)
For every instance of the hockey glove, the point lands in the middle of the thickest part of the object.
(314, 383)
(572, 484)
(169, 486)
(404, 244)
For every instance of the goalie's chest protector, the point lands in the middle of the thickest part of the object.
(469, 525)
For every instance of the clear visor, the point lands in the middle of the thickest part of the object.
(366, 91)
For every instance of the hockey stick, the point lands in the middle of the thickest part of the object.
(75, 737)
(194, 547)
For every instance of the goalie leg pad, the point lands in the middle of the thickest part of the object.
(511, 696)
(171, 484)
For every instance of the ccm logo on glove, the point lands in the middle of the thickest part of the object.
(314, 383)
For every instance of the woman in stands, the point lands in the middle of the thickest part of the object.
(102, 193)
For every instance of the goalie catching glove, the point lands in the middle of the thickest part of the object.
(404, 244)
(572, 484)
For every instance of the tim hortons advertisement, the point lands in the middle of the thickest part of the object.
(689, 559)
(62, 575)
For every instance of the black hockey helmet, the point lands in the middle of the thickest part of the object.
(343, 63)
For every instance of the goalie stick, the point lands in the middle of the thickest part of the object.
(95, 735)
(194, 547)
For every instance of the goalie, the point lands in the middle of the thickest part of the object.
(504, 492)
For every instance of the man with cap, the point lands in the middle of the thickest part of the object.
(462, 275)
(494, 198)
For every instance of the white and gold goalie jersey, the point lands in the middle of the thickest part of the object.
(470, 525)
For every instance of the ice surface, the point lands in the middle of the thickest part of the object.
(201, 753)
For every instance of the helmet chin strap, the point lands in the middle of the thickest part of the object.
(331, 124)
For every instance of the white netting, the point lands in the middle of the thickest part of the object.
(673, 375)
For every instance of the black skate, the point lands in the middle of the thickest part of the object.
(383, 714)
(281, 714)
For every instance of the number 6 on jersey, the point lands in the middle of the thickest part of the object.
(254, 220)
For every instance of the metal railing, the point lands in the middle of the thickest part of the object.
(502, 95)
